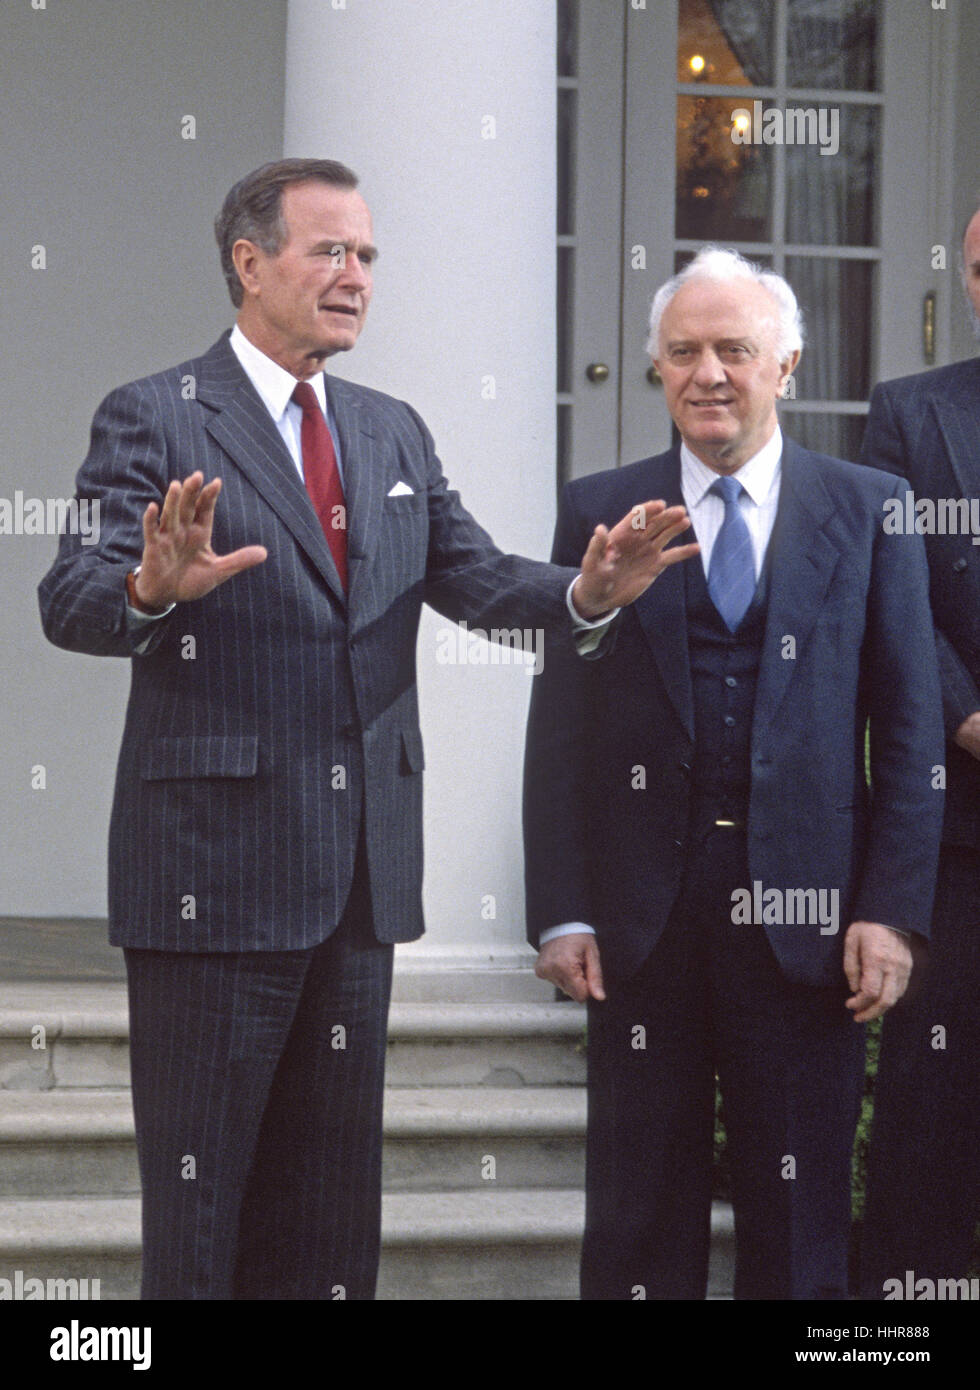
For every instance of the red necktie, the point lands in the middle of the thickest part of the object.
(322, 476)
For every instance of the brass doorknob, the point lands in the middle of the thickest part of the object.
(597, 371)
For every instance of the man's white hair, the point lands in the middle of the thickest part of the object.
(717, 263)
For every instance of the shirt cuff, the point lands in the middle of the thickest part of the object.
(584, 624)
(566, 929)
(138, 622)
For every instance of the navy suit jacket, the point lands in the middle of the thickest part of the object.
(267, 719)
(848, 637)
(927, 428)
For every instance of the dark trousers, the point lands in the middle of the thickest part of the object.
(711, 999)
(257, 1088)
(923, 1200)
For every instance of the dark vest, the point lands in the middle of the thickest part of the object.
(724, 674)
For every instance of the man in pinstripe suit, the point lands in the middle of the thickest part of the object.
(923, 1199)
(266, 834)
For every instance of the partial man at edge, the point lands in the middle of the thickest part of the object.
(923, 1198)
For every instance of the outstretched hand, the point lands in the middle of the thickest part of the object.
(619, 565)
(178, 563)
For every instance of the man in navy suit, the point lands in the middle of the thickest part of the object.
(706, 863)
(266, 834)
(923, 1199)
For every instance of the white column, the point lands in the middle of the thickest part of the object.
(446, 110)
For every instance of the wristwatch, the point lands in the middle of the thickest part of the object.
(134, 601)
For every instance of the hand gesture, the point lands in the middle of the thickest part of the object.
(178, 562)
(619, 565)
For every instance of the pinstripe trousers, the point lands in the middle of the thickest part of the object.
(257, 1089)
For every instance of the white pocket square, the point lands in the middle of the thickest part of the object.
(401, 490)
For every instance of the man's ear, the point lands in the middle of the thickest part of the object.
(245, 256)
(787, 368)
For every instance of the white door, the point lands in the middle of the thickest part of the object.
(808, 134)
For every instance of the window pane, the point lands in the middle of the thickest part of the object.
(830, 197)
(835, 297)
(683, 258)
(725, 41)
(567, 38)
(831, 43)
(566, 287)
(723, 189)
(838, 435)
(566, 160)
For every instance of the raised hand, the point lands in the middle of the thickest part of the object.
(178, 563)
(619, 565)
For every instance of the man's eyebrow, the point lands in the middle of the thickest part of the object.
(330, 242)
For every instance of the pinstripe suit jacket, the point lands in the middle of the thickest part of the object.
(268, 718)
(927, 428)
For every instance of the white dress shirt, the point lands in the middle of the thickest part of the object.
(275, 387)
(760, 478)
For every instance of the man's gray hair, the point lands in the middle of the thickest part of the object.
(253, 208)
(717, 263)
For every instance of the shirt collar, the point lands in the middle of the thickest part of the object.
(758, 475)
(274, 384)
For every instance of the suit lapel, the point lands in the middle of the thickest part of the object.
(247, 433)
(802, 562)
(959, 423)
(662, 609)
(364, 480)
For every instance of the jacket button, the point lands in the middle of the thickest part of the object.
(959, 565)
(685, 768)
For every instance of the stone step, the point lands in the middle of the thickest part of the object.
(509, 1045)
(462, 1246)
(81, 1142)
(57, 1035)
(67, 1143)
(72, 1034)
(460, 1138)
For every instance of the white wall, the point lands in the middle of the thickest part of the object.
(464, 289)
(95, 169)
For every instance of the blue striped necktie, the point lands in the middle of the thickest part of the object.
(731, 572)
